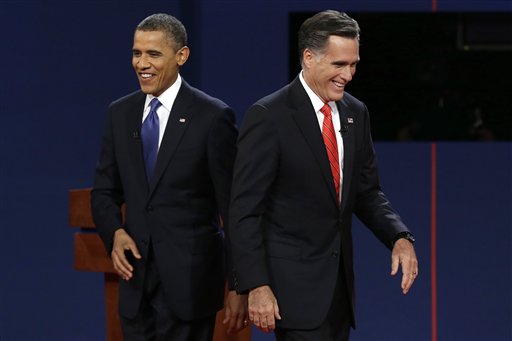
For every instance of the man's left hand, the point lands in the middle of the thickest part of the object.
(403, 255)
(235, 312)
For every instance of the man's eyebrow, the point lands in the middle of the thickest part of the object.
(148, 51)
(343, 63)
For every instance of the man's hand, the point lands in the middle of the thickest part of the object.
(122, 243)
(235, 312)
(403, 255)
(263, 308)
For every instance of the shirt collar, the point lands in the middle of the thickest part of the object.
(315, 100)
(167, 97)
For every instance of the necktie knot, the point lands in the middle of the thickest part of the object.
(326, 110)
(154, 104)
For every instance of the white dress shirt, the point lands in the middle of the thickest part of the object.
(317, 105)
(167, 99)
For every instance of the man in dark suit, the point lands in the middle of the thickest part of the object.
(167, 153)
(305, 164)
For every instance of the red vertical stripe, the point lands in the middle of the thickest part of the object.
(433, 237)
(434, 5)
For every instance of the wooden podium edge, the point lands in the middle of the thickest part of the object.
(90, 255)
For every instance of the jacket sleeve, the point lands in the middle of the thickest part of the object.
(107, 194)
(255, 168)
(372, 206)
(221, 156)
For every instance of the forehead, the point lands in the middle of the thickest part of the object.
(142, 39)
(341, 47)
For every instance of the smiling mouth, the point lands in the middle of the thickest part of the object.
(339, 85)
(146, 75)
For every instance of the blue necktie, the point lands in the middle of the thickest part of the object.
(150, 132)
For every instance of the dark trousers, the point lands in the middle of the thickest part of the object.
(336, 326)
(155, 321)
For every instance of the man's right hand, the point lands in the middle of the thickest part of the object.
(122, 243)
(263, 308)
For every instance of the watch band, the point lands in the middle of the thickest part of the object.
(405, 235)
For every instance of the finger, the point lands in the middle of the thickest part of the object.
(412, 277)
(256, 321)
(407, 281)
(242, 322)
(235, 324)
(121, 270)
(395, 263)
(135, 251)
(253, 313)
(410, 271)
(263, 322)
(271, 322)
(264, 325)
(229, 327)
(122, 263)
(227, 314)
(276, 311)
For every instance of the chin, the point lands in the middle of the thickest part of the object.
(336, 98)
(146, 90)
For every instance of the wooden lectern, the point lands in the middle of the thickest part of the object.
(90, 255)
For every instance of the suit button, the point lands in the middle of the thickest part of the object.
(334, 253)
(149, 208)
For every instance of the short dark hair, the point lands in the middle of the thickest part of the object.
(172, 28)
(315, 31)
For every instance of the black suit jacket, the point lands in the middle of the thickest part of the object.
(286, 227)
(179, 210)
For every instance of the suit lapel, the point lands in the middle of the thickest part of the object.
(134, 124)
(346, 118)
(306, 120)
(179, 119)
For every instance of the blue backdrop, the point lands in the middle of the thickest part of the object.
(64, 61)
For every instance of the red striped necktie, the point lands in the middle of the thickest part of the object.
(332, 146)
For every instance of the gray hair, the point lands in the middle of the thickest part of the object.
(315, 31)
(173, 29)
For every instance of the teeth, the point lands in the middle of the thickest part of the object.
(338, 84)
(145, 75)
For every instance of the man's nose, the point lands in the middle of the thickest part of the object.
(346, 73)
(143, 62)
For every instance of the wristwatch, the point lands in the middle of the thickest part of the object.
(405, 235)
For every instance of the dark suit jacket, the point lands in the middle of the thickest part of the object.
(286, 227)
(179, 210)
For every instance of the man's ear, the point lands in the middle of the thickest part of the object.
(182, 55)
(307, 58)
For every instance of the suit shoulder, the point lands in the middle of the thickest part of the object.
(128, 99)
(276, 98)
(270, 106)
(353, 103)
(201, 97)
(133, 96)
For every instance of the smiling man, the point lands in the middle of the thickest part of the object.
(305, 164)
(167, 153)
